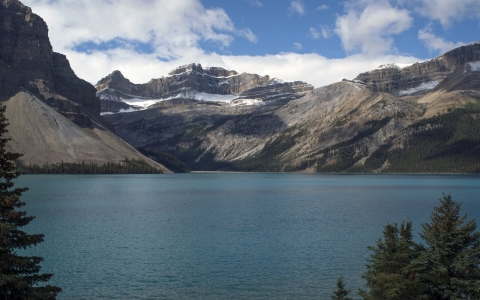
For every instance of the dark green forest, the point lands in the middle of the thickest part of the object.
(129, 166)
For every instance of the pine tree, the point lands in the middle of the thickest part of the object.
(19, 275)
(341, 293)
(391, 273)
(451, 261)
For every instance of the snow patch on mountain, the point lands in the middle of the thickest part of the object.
(388, 66)
(275, 81)
(474, 66)
(393, 66)
(131, 109)
(242, 102)
(214, 97)
(422, 87)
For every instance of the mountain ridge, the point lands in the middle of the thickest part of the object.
(185, 82)
(339, 127)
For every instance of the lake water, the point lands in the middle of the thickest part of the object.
(223, 236)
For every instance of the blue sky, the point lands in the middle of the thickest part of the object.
(317, 41)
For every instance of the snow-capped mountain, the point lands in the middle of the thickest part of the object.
(193, 82)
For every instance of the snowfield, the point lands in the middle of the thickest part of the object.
(422, 87)
(474, 66)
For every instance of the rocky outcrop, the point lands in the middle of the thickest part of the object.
(186, 82)
(28, 62)
(274, 92)
(54, 116)
(206, 80)
(393, 79)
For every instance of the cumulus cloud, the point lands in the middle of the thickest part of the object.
(435, 43)
(371, 27)
(168, 26)
(297, 6)
(448, 11)
(312, 68)
(174, 32)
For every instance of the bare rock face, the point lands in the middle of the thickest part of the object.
(54, 115)
(183, 83)
(393, 79)
(28, 62)
(208, 80)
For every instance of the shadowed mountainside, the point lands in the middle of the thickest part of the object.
(54, 116)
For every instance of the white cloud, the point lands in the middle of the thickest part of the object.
(448, 11)
(256, 3)
(370, 28)
(298, 46)
(168, 26)
(312, 68)
(174, 31)
(324, 32)
(323, 7)
(297, 6)
(435, 43)
(314, 33)
(248, 34)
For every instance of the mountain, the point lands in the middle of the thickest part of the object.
(54, 115)
(419, 118)
(193, 82)
(419, 77)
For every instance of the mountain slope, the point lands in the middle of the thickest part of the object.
(341, 127)
(54, 116)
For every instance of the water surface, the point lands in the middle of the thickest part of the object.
(223, 236)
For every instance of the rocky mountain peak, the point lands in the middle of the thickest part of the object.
(27, 62)
(193, 82)
(186, 68)
(198, 69)
(14, 5)
(422, 76)
(114, 80)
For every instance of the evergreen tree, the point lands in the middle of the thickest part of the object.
(19, 275)
(451, 261)
(391, 273)
(341, 293)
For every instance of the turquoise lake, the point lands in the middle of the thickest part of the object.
(223, 236)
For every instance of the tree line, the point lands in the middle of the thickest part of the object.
(128, 166)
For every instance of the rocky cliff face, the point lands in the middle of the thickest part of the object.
(27, 61)
(419, 76)
(54, 115)
(208, 80)
(186, 82)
